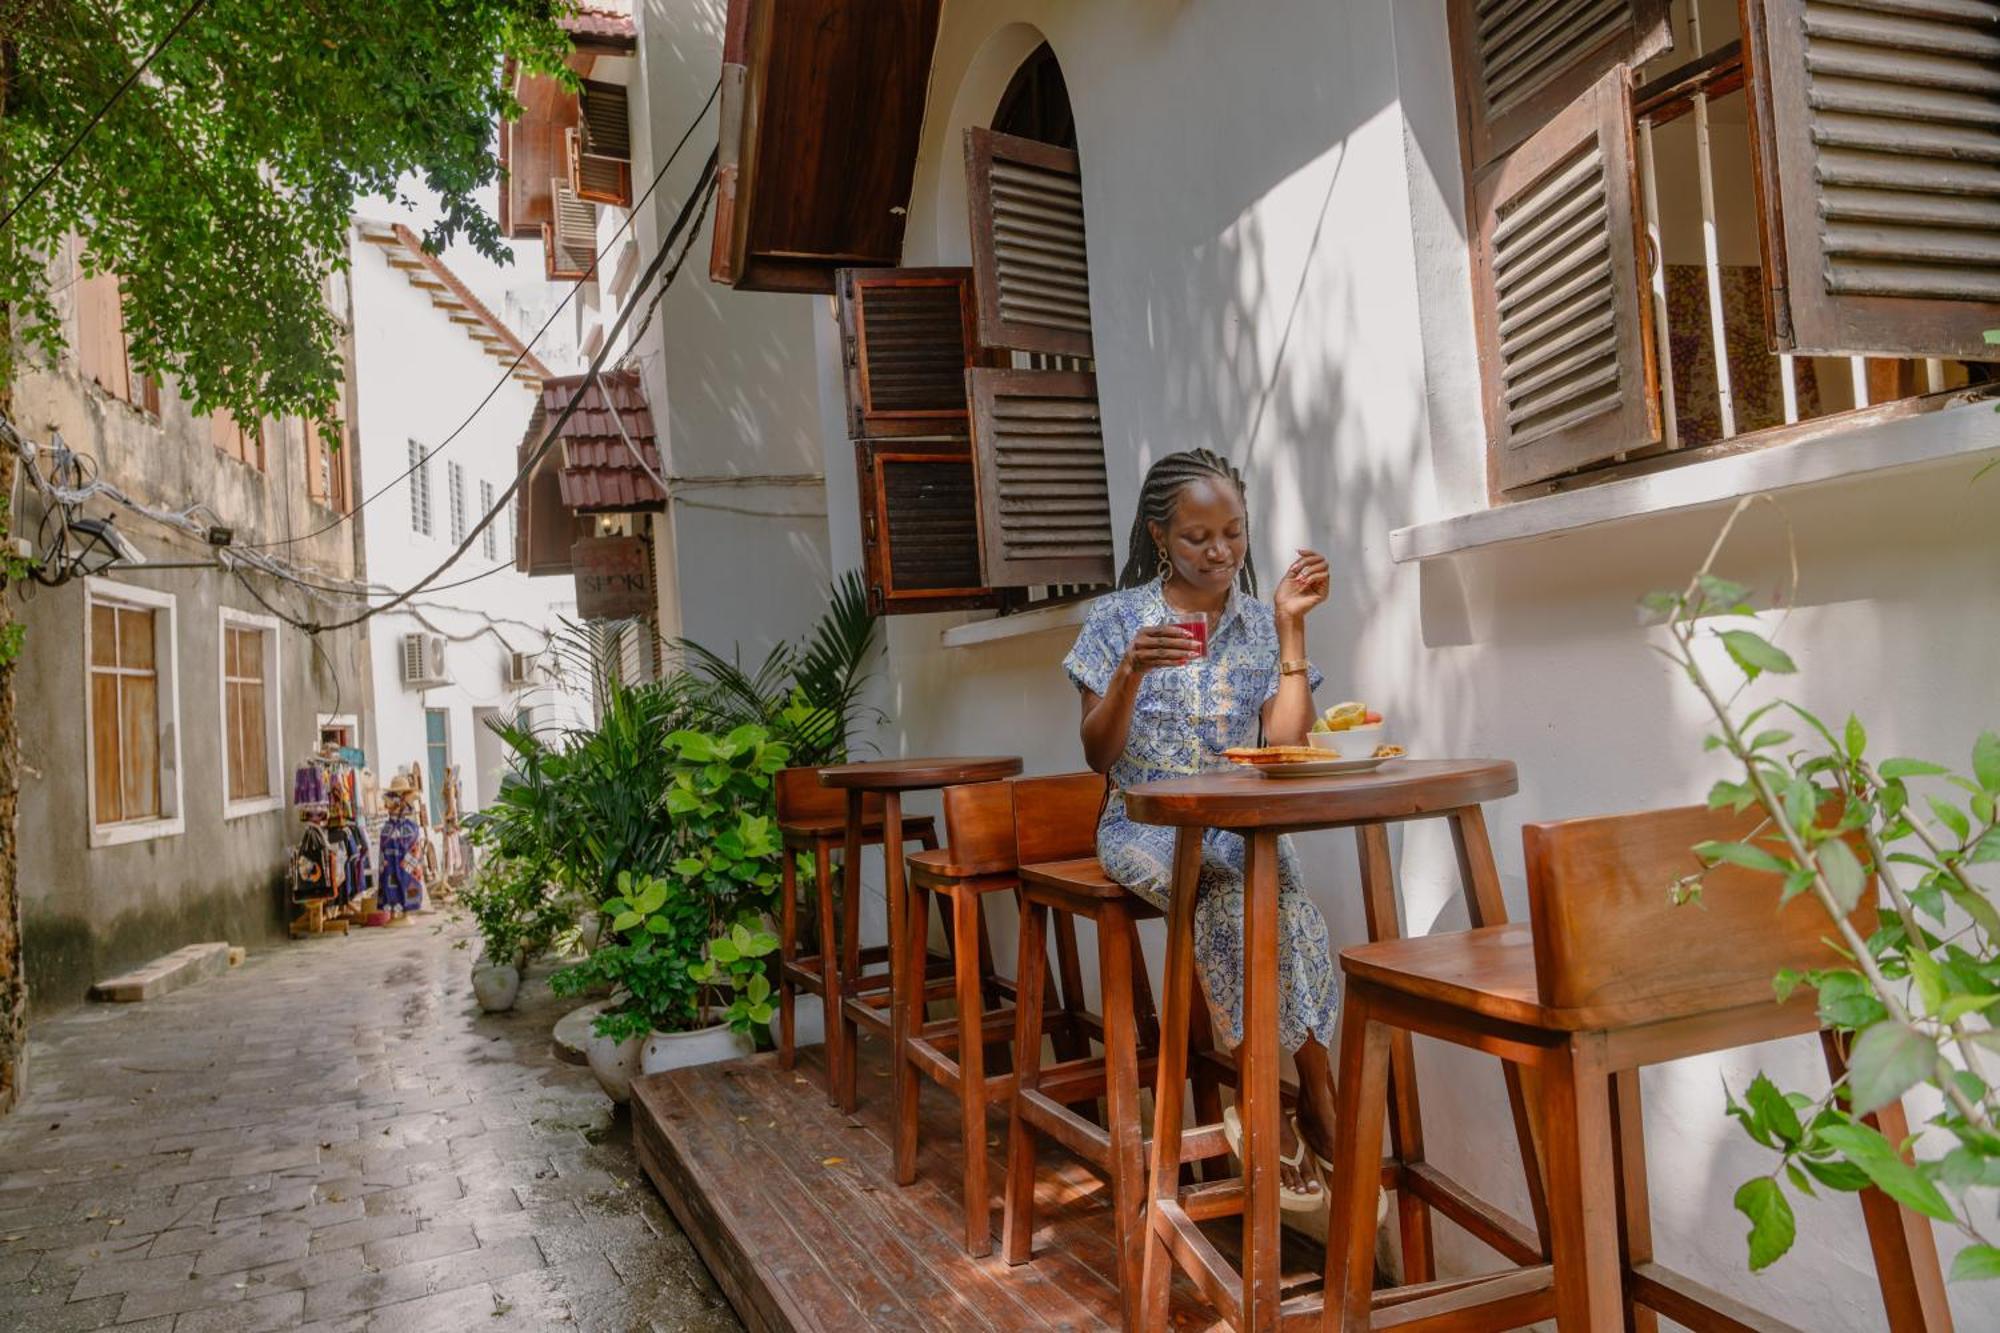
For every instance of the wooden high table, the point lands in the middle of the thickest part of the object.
(892, 778)
(1260, 809)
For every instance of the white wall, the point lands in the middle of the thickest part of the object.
(731, 376)
(1278, 271)
(418, 376)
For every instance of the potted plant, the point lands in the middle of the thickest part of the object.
(518, 913)
(685, 951)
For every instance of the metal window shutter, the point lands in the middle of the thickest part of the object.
(920, 526)
(1565, 344)
(1878, 129)
(906, 340)
(1044, 503)
(1030, 262)
(1519, 62)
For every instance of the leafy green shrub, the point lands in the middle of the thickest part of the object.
(518, 911)
(1915, 1007)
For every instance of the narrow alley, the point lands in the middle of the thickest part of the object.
(331, 1136)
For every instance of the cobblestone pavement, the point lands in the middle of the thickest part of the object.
(331, 1136)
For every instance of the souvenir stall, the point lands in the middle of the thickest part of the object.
(329, 867)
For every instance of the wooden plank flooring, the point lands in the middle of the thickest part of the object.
(794, 1208)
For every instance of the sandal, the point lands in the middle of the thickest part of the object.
(1326, 1176)
(1289, 1199)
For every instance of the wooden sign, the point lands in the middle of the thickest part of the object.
(614, 577)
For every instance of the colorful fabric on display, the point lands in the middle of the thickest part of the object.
(340, 802)
(355, 847)
(399, 881)
(315, 870)
(309, 785)
(1183, 720)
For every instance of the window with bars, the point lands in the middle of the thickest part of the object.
(455, 483)
(420, 490)
(489, 540)
(1696, 221)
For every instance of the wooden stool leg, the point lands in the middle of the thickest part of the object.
(1157, 1277)
(788, 948)
(1257, 1083)
(972, 1072)
(1583, 1204)
(1362, 1096)
(1904, 1245)
(1635, 1217)
(1115, 947)
(910, 924)
(1073, 1040)
(1207, 1083)
(1406, 1122)
(842, 1036)
(1031, 976)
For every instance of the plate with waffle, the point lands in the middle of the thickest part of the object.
(1299, 761)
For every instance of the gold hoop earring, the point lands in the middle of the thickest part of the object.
(1166, 570)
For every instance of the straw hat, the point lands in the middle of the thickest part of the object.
(400, 785)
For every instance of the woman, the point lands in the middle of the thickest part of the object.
(1156, 705)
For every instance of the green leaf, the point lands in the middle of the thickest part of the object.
(625, 921)
(1857, 737)
(1977, 906)
(760, 1013)
(1744, 854)
(758, 990)
(1885, 1168)
(1786, 983)
(1800, 1181)
(1910, 768)
(1930, 980)
(1958, 1006)
(1737, 796)
(1774, 1110)
(1987, 848)
(1764, 740)
(1844, 875)
(1756, 654)
(1976, 1263)
(1951, 817)
(722, 950)
(1661, 603)
(1837, 1175)
(1986, 760)
(1888, 1060)
(1772, 1227)
(1845, 1000)
(1721, 591)
(740, 937)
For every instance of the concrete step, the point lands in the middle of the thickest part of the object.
(162, 976)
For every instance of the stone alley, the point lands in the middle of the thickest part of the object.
(331, 1136)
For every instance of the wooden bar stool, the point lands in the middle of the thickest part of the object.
(1611, 978)
(978, 858)
(812, 819)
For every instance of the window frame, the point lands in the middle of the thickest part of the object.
(172, 819)
(489, 536)
(228, 618)
(422, 519)
(454, 486)
(433, 787)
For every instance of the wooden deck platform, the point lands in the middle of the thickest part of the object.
(794, 1208)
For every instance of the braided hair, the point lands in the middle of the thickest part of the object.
(1158, 497)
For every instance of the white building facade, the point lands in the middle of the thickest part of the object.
(474, 648)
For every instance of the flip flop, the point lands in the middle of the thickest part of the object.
(1326, 1175)
(1289, 1199)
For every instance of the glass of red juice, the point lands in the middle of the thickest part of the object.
(1197, 629)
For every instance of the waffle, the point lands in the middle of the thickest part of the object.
(1261, 756)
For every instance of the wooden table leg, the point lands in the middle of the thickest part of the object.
(1406, 1122)
(1583, 1205)
(908, 954)
(788, 949)
(971, 1072)
(1257, 1084)
(842, 1036)
(1361, 1105)
(1635, 1214)
(1169, 1085)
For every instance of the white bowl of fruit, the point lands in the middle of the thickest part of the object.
(1353, 731)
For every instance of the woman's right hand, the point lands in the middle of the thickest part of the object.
(1160, 646)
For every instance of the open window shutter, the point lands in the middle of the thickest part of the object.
(1028, 256)
(100, 334)
(906, 339)
(569, 244)
(1565, 345)
(1044, 504)
(1519, 62)
(920, 526)
(600, 145)
(1878, 130)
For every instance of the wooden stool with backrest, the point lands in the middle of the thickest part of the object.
(1611, 977)
(812, 819)
(979, 858)
(1055, 829)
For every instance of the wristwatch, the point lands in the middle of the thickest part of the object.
(1299, 667)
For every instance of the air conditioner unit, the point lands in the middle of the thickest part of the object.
(423, 660)
(522, 669)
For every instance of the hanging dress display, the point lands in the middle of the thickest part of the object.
(399, 880)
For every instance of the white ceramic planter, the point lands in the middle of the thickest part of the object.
(497, 985)
(677, 1050)
(808, 1020)
(614, 1063)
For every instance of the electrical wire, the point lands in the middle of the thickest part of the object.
(43, 180)
(507, 375)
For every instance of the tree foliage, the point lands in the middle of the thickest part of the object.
(219, 187)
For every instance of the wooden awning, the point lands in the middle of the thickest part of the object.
(822, 107)
(588, 471)
(537, 149)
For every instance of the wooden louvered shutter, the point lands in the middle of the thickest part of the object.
(919, 526)
(1878, 133)
(569, 244)
(1044, 504)
(906, 340)
(1519, 62)
(1030, 270)
(1565, 348)
(100, 334)
(600, 145)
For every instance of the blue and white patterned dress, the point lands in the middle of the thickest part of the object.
(1185, 717)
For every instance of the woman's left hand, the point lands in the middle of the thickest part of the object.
(1303, 587)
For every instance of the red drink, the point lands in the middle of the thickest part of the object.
(1197, 629)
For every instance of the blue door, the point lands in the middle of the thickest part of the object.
(437, 749)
